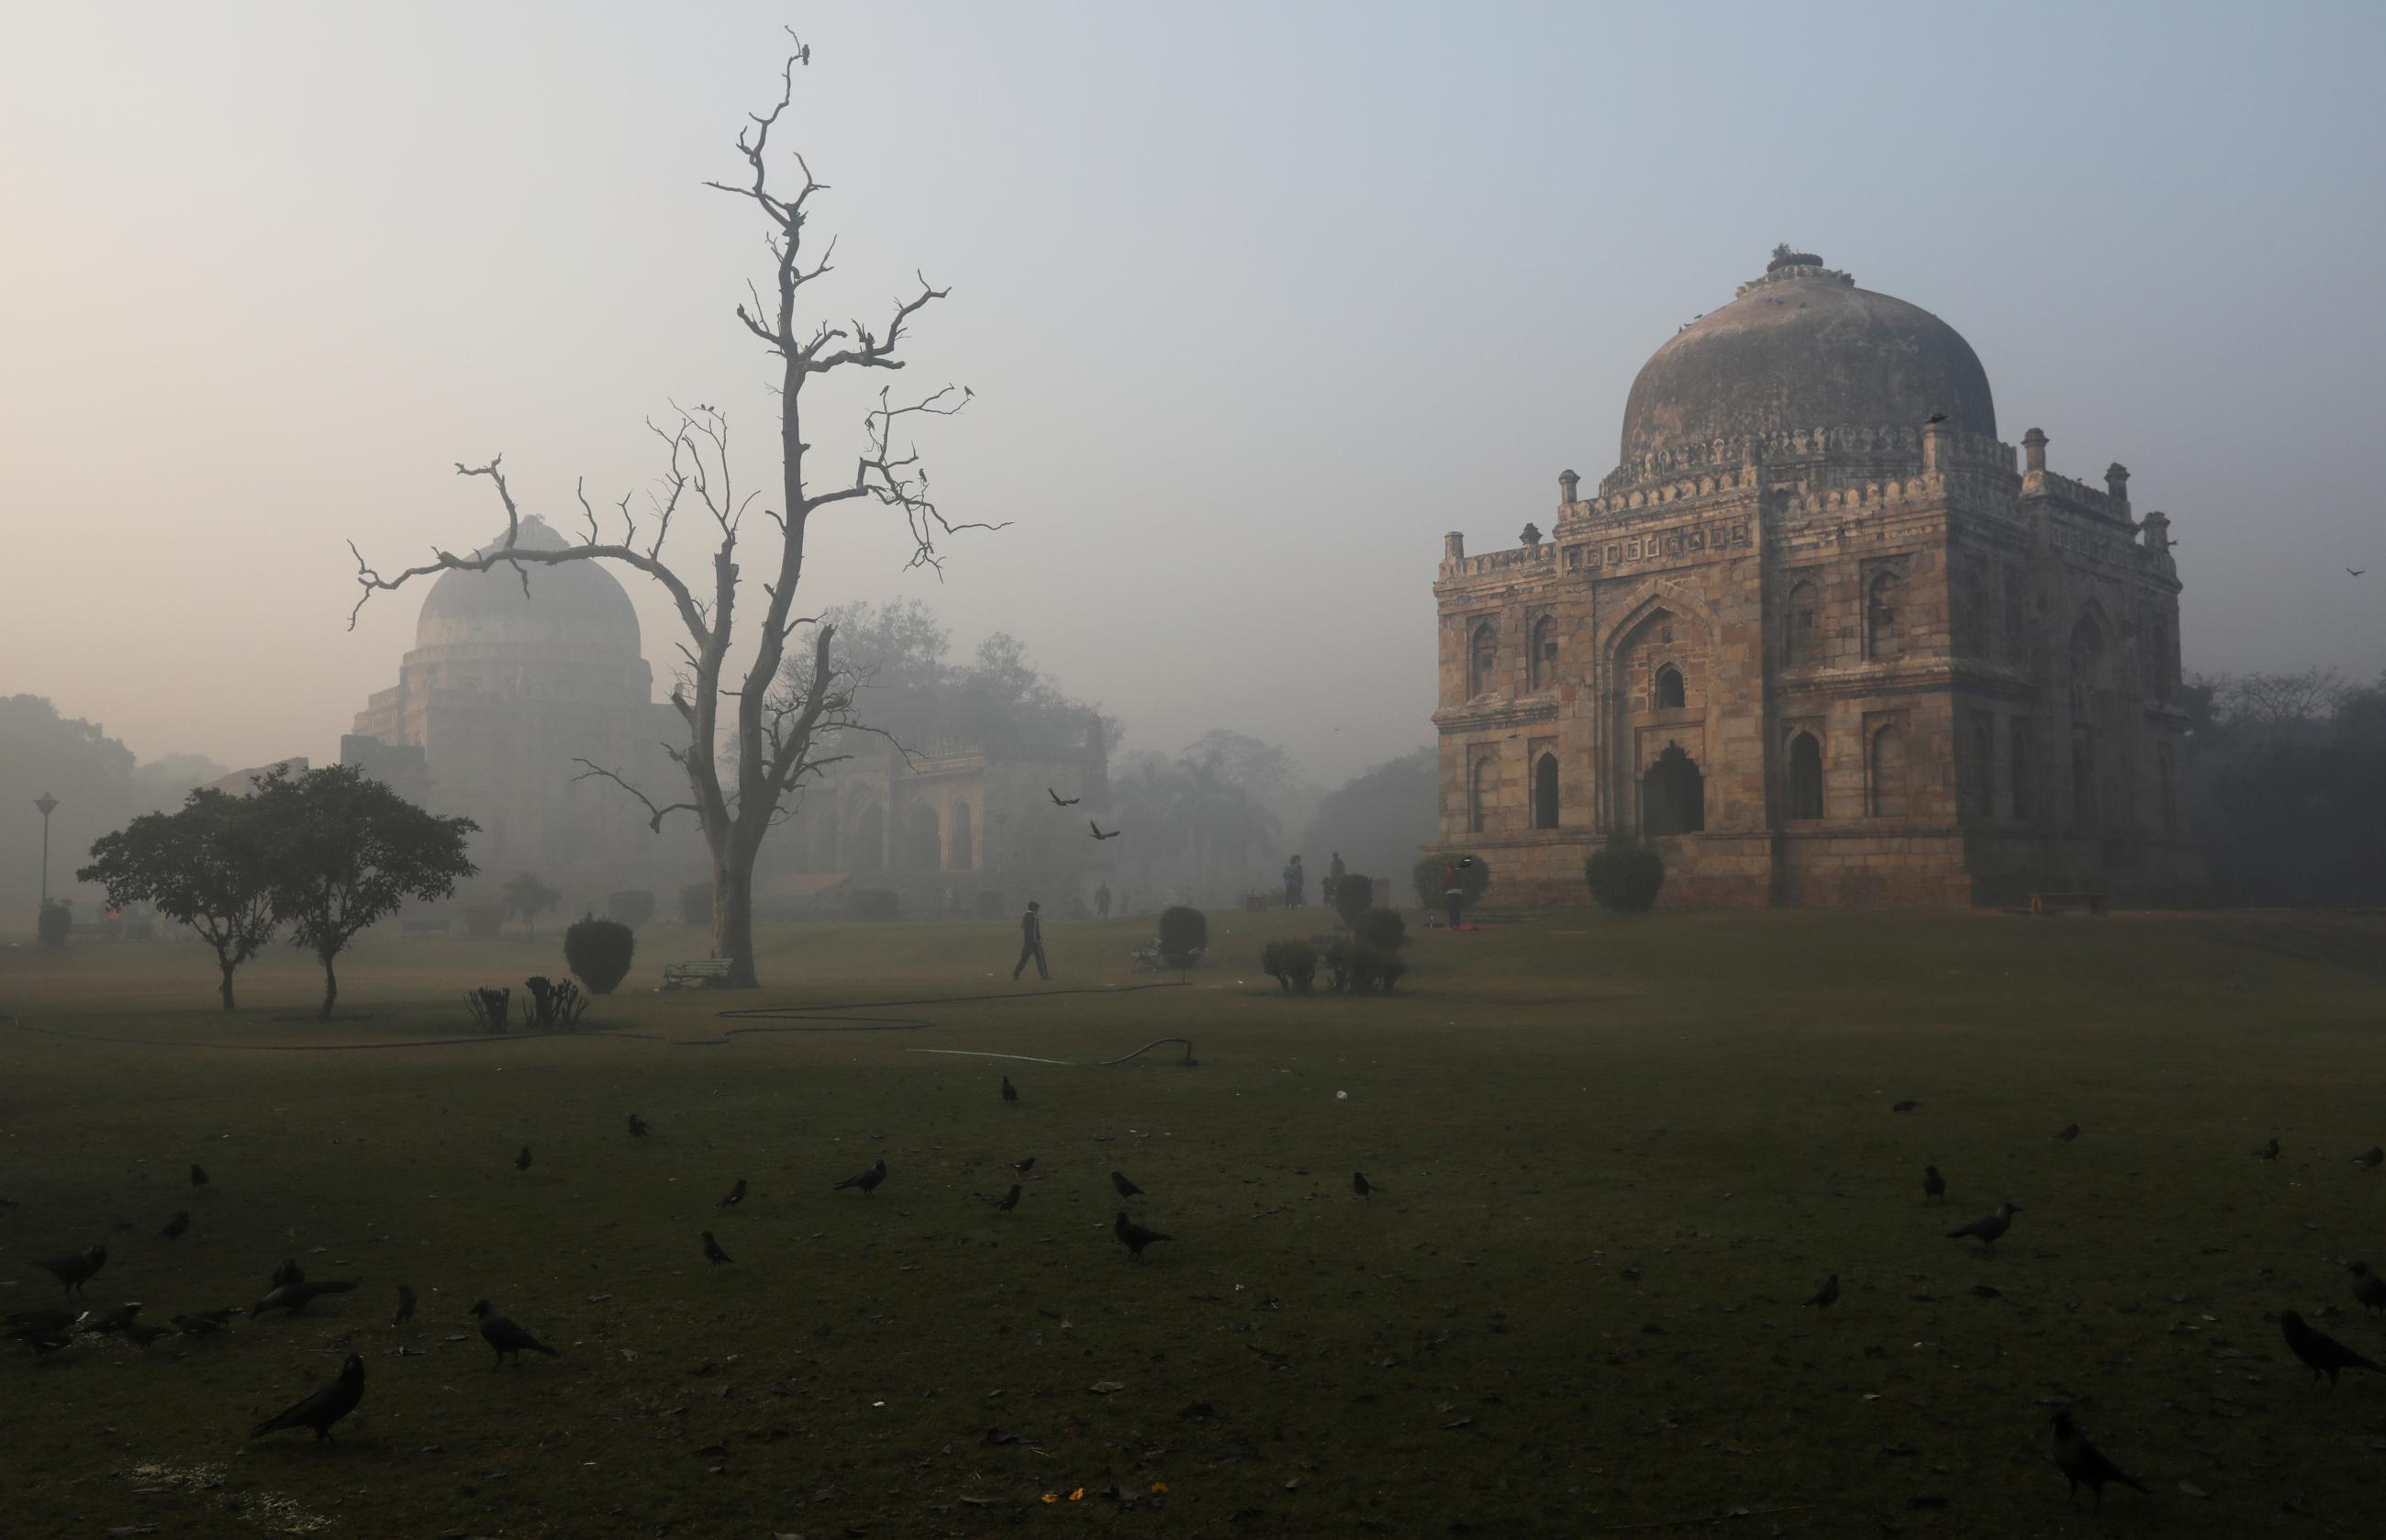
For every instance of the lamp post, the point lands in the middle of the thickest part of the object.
(48, 805)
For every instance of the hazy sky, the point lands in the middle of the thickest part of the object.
(1256, 300)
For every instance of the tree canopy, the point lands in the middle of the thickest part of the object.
(205, 865)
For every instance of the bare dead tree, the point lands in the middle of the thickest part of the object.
(742, 768)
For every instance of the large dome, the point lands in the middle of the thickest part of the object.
(573, 607)
(1802, 347)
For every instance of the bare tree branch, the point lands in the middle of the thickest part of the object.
(597, 771)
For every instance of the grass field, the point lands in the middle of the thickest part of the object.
(1703, 1098)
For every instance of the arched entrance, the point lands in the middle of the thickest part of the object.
(1806, 791)
(1672, 794)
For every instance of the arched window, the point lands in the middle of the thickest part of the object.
(1882, 617)
(1482, 781)
(1666, 691)
(1544, 662)
(1805, 798)
(1672, 794)
(1483, 658)
(1800, 642)
(1545, 792)
(1888, 767)
(964, 853)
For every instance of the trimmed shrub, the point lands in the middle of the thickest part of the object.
(1291, 962)
(550, 1004)
(1336, 957)
(1353, 897)
(488, 1007)
(1474, 876)
(1382, 929)
(599, 952)
(1374, 970)
(1183, 935)
(631, 906)
(1625, 877)
(873, 904)
(695, 906)
(55, 924)
(484, 922)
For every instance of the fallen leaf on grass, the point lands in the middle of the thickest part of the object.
(1106, 1387)
(2189, 1488)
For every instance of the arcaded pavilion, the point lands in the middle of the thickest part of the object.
(1821, 636)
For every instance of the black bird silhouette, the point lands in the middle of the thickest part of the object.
(76, 1270)
(1021, 1168)
(736, 1194)
(639, 1126)
(1828, 1294)
(2082, 1461)
(498, 1331)
(111, 1317)
(324, 1407)
(1360, 1186)
(1933, 1185)
(289, 1272)
(1121, 1185)
(1134, 1236)
(1987, 1227)
(521, 1162)
(2070, 1132)
(295, 1297)
(1009, 1200)
(2321, 1354)
(713, 1252)
(1936, 417)
(1906, 1106)
(1098, 830)
(198, 1174)
(175, 1226)
(2367, 1287)
(2370, 1158)
(867, 1181)
(2268, 1151)
(2356, 572)
(405, 1307)
(1010, 1092)
(1059, 801)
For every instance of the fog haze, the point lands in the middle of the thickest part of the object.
(1255, 305)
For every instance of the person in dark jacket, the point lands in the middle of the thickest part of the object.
(1031, 942)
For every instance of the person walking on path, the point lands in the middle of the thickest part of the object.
(1102, 901)
(1453, 894)
(1031, 942)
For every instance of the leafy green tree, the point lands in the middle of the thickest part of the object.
(529, 898)
(204, 865)
(346, 851)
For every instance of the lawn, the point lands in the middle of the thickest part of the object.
(1552, 1110)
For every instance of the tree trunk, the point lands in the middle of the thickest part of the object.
(224, 989)
(733, 916)
(330, 987)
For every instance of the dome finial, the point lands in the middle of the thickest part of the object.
(1786, 255)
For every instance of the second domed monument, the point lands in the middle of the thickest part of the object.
(1820, 635)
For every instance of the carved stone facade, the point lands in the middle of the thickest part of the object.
(1821, 637)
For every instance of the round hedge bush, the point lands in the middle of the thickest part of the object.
(1625, 877)
(1382, 929)
(1353, 897)
(599, 952)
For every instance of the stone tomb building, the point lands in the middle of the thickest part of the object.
(1821, 636)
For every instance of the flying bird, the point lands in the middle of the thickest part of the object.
(639, 1126)
(405, 1307)
(1360, 1186)
(1008, 1201)
(2367, 1287)
(735, 1196)
(2321, 1354)
(713, 1252)
(2356, 572)
(1828, 1294)
(198, 1174)
(500, 1332)
(1933, 1185)
(521, 1162)
(1098, 830)
(175, 1226)
(1021, 1168)
(1121, 1185)
(2268, 1151)
(295, 1297)
(1059, 801)
(1010, 1092)
(324, 1407)
(2370, 1158)
(867, 1181)
(1935, 417)
(2070, 1132)
(1906, 1106)
(2082, 1461)
(1134, 1236)
(76, 1270)
(1987, 1227)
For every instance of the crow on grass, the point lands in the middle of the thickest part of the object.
(498, 1331)
(324, 1407)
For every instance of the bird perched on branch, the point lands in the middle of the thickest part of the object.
(2321, 1354)
(521, 1162)
(735, 1196)
(1828, 1294)
(1134, 1236)
(295, 1297)
(2082, 1461)
(76, 1270)
(713, 1252)
(1008, 1201)
(1988, 1226)
(1010, 1092)
(2367, 1287)
(1933, 1185)
(324, 1407)
(500, 1332)
(2268, 1151)
(867, 1181)
(405, 1307)
(1121, 1185)
(175, 1226)
(639, 1126)
(1059, 801)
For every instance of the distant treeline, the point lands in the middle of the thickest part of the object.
(2286, 786)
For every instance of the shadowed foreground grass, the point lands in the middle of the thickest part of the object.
(1701, 1098)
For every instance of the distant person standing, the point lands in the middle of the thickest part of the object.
(1334, 875)
(1102, 901)
(1031, 942)
(1294, 880)
(1453, 894)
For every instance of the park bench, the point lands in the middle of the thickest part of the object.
(1148, 956)
(2043, 903)
(410, 929)
(703, 974)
